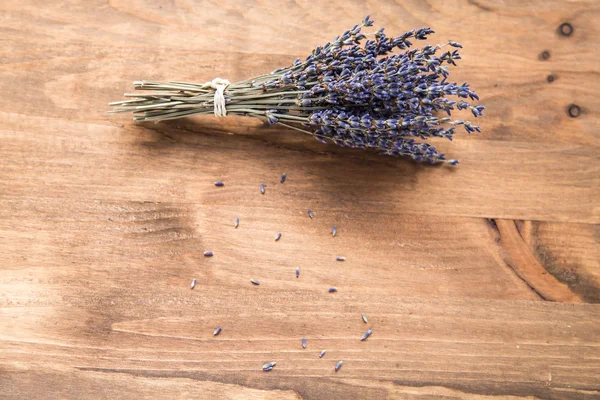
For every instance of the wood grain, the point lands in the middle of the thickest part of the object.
(480, 282)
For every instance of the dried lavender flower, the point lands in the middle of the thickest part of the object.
(355, 92)
(366, 335)
(208, 253)
(269, 366)
(283, 177)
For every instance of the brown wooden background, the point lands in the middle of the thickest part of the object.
(478, 281)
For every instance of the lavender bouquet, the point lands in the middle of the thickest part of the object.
(354, 95)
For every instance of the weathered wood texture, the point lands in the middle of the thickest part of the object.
(478, 281)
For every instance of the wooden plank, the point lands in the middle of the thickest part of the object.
(103, 222)
(149, 244)
(546, 350)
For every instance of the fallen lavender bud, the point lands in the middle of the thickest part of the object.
(352, 91)
(269, 366)
(366, 335)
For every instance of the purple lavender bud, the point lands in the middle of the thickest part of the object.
(271, 119)
(477, 110)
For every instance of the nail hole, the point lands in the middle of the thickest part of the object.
(544, 55)
(551, 78)
(574, 111)
(565, 29)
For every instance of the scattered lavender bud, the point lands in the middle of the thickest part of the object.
(262, 188)
(322, 353)
(338, 366)
(332, 289)
(219, 183)
(364, 318)
(269, 366)
(278, 236)
(208, 253)
(334, 231)
(303, 343)
(217, 331)
(366, 335)
(340, 258)
(283, 176)
(193, 283)
(310, 214)
(297, 272)
(236, 223)
(255, 282)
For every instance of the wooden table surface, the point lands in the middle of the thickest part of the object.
(478, 281)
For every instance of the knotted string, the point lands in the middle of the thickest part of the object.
(219, 85)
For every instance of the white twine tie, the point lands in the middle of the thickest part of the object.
(219, 85)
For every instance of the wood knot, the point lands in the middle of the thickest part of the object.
(574, 111)
(565, 29)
